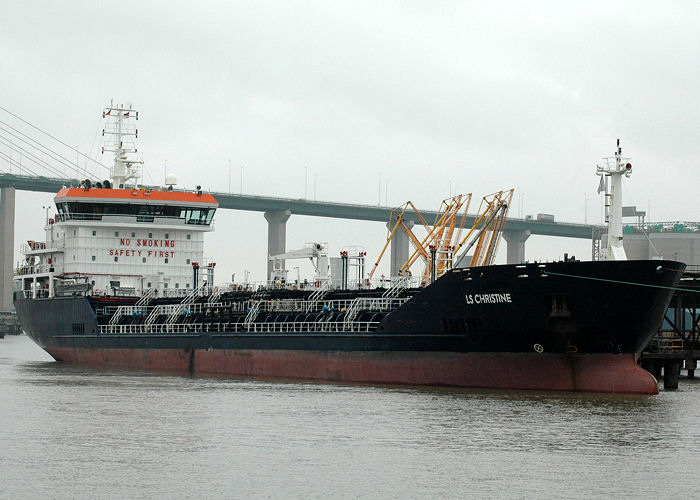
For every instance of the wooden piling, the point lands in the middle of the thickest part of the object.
(672, 368)
(691, 365)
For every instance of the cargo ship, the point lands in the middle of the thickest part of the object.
(120, 281)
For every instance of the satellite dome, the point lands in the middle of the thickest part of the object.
(170, 179)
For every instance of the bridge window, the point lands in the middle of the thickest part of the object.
(199, 215)
(144, 213)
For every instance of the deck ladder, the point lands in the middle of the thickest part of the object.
(318, 295)
(253, 313)
(216, 293)
(399, 285)
(180, 308)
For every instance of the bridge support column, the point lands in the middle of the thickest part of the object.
(515, 253)
(276, 234)
(399, 248)
(7, 246)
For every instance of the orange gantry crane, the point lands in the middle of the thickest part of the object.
(444, 238)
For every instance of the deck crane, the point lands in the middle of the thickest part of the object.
(487, 229)
(444, 239)
(396, 222)
(317, 253)
(438, 241)
(435, 249)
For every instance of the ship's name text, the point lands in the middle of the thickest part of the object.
(489, 298)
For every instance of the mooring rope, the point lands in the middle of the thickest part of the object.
(623, 282)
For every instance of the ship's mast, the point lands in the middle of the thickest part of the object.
(120, 137)
(613, 170)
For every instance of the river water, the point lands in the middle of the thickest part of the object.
(69, 432)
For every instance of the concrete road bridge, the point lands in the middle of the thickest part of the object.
(277, 212)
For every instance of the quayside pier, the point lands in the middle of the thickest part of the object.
(677, 343)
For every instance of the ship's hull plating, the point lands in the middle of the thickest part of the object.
(472, 328)
(618, 373)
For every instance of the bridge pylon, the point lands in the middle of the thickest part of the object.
(7, 246)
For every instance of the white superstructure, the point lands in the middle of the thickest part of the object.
(131, 241)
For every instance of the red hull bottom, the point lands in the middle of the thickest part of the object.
(616, 373)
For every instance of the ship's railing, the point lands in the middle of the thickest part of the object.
(39, 294)
(36, 246)
(382, 282)
(121, 310)
(280, 305)
(173, 292)
(36, 269)
(202, 291)
(227, 327)
(294, 305)
(195, 308)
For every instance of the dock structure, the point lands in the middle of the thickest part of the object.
(677, 343)
(667, 365)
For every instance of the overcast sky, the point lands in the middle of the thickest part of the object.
(407, 99)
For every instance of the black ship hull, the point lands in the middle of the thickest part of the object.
(554, 326)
